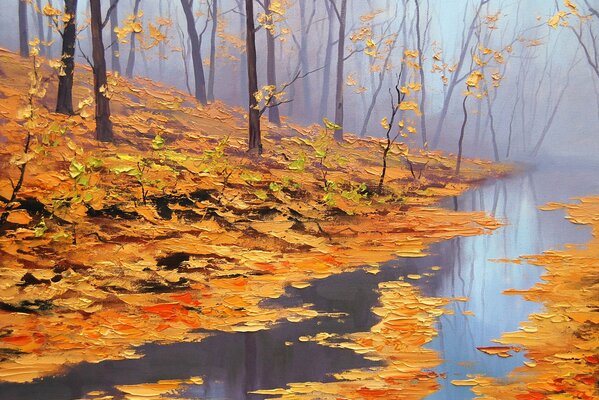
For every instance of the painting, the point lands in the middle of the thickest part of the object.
(299, 199)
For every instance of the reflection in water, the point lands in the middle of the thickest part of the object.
(231, 364)
(470, 272)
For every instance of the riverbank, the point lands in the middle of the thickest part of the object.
(174, 228)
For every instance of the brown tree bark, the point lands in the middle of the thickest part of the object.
(23, 32)
(131, 58)
(341, 15)
(271, 68)
(196, 52)
(114, 45)
(64, 101)
(255, 139)
(103, 123)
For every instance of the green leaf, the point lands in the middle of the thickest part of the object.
(298, 165)
(331, 125)
(249, 177)
(330, 186)
(174, 156)
(352, 195)
(158, 142)
(76, 169)
(329, 199)
(94, 163)
(40, 229)
(274, 187)
(261, 194)
(87, 197)
(83, 180)
(127, 157)
(122, 169)
(60, 236)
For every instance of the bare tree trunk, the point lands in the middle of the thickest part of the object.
(422, 82)
(326, 74)
(462, 132)
(552, 114)
(161, 45)
(456, 75)
(131, 58)
(49, 36)
(271, 68)
(243, 76)
(184, 57)
(23, 33)
(492, 126)
(342, 15)
(103, 123)
(196, 52)
(211, 74)
(303, 54)
(114, 45)
(255, 140)
(64, 101)
(40, 26)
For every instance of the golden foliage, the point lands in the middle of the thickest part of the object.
(89, 280)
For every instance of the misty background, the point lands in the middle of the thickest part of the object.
(546, 106)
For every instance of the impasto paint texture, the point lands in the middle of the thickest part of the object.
(299, 199)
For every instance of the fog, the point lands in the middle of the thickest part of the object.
(545, 107)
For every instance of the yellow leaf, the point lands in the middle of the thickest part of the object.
(50, 11)
(385, 123)
(409, 106)
(474, 79)
(573, 8)
(351, 81)
(498, 57)
(411, 53)
(553, 21)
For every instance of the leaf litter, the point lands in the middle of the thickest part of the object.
(175, 228)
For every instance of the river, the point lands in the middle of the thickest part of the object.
(232, 364)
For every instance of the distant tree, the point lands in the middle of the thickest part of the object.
(103, 124)
(326, 72)
(458, 75)
(196, 51)
(341, 17)
(306, 25)
(255, 139)
(23, 32)
(131, 58)
(420, 46)
(114, 42)
(49, 36)
(213, 11)
(64, 101)
(271, 66)
(40, 25)
(386, 45)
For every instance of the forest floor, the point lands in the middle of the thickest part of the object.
(174, 228)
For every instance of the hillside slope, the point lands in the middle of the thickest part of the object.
(174, 227)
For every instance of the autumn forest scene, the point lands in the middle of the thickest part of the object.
(299, 199)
